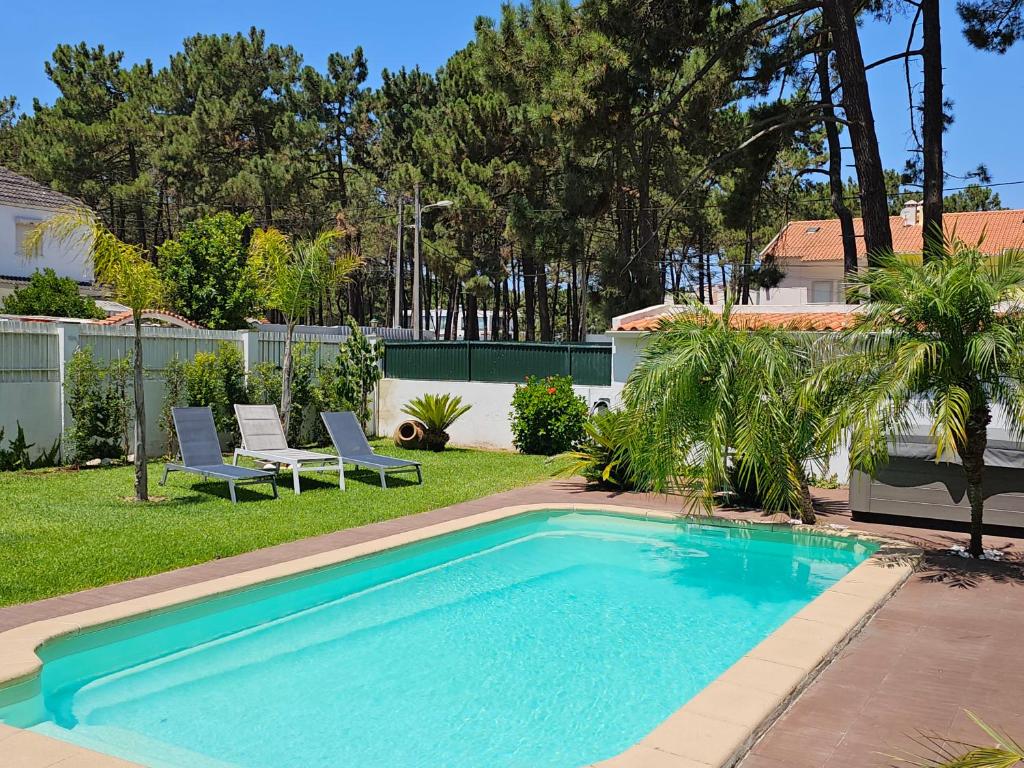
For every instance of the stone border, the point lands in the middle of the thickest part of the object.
(714, 729)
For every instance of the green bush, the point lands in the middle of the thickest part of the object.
(100, 408)
(547, 416)
(264, 388)
(47, 294)
(204, 268)
(214, 379)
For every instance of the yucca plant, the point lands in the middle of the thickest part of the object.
(940, 752)
(437, 413)
(602, 457)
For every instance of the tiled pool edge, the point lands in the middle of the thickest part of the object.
(715, 728)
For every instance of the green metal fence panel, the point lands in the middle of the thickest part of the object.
(439, 361)
(508, 362)
(591, 364)
(497, 361)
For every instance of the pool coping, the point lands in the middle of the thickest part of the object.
(714, 729)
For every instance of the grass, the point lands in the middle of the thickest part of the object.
(64, 530)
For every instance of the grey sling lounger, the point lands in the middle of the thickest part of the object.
(200, 452)
(353, 447)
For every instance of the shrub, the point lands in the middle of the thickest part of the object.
(547, 416)
(264, 388)
(47, 294)
(99, 404)
(264, 385)
(214, 379)
(204, 269)
(602, 456)
(437, 413)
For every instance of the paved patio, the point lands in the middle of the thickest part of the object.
(948, 641)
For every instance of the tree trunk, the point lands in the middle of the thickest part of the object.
(141, 468)
(933, 125)
(530, 295)
(544, 309)
(286, 376)
(748, 258)
(471, 321)
(842, 23)
(806, 503)
(972, 454)
(835, 169)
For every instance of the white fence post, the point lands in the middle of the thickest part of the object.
(250, 344)
(67, 343)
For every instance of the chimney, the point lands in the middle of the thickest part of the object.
(911, 213)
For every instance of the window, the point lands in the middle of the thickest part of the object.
(813, 230)
(821, 292)
(22, 229)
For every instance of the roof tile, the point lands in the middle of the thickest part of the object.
(19, 190)
(821, 239)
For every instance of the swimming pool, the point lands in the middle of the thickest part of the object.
(554, 638)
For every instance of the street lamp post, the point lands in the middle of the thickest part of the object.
(417, 315)
(397, 317)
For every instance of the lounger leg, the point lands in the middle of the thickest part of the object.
(231, 491)
(273, 483)
(341, 475)
(419, 475)
(163, 480)
(383, 480)
(295, 479)
(235, 460)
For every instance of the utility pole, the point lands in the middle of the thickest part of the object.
(417, 319)
(397, 318)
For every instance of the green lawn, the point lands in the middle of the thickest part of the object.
(65, 530)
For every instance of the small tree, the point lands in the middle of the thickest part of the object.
(348, 383)
(47, 294)
(292, 277)
(134, 282)
(204, 269)
(944, 338)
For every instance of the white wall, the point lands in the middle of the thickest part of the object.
(67, 260)
(795, 287)
(487, 425)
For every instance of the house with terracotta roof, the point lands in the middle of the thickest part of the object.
(25, 203)
(810, 252)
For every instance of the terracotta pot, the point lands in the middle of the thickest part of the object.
(435, 441)
(409, 434)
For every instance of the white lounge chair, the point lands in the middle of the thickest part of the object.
(263, 438)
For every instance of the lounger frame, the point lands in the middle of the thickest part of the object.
(269, 444)
(352, 446)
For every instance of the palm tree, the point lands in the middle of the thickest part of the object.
(715, 402)
(134, 282)
(293, 276)
(949, 753)
(940, 339)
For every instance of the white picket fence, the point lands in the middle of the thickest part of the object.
(33, 357)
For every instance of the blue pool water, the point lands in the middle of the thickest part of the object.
(549, 640)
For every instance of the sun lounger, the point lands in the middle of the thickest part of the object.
(353, 447)
(200, 452)
(263, 439)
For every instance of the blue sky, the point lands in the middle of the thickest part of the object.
(988, 90)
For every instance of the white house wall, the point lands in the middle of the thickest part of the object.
(487, 425)
(67, 260)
